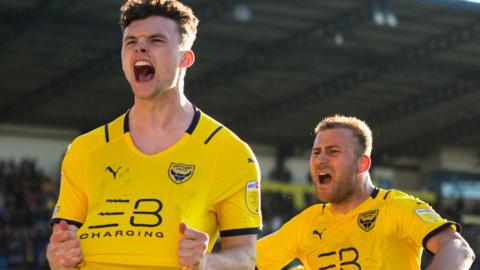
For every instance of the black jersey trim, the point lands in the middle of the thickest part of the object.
(107, 137)
(386, 195)
(436, 231)
(126, 123)
(374, 192)
(70, 222)
(238, 232)
(191, 128)
(213, 134)
(193, 124)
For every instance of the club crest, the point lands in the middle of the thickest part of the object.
(180, 173)
(366, 220)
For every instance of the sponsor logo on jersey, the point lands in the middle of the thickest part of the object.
(366, 220)
(144, 216)
(122, 233)
(180, 173)
(252, 196)
(428, 215)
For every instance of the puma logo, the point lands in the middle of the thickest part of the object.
(315, 232)
(114, 173)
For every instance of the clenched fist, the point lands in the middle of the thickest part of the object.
(192, 248)
(63, 251)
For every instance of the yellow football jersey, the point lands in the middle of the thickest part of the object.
(387, 231)
(130, 205)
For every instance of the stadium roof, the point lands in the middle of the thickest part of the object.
(268, 69)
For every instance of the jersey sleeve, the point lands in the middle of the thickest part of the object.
(276, 250)
(418, 221)
(72, 200)
(239, 212)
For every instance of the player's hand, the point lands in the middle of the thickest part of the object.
(192, 248)
(63, 251)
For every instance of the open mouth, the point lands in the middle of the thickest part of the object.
(324, 178)
(144, 71)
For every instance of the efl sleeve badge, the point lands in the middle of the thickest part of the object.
(428, 215)
(252, 196)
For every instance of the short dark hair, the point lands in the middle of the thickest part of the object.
(183, 15)
(359, 128)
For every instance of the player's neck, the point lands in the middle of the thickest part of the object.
(155, 127)
(169, 112)
(361, 193)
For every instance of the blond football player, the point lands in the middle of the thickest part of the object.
(360, 226)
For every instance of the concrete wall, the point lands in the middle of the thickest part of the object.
(45, 146)
(299, 167)
(298, 164)
(460, 159)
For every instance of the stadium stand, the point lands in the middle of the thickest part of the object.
(27, 198)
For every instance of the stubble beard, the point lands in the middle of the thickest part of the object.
(343, 188)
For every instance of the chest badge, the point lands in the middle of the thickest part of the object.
(180, 173)
(366, 220)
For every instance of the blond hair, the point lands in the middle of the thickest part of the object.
(360, 130)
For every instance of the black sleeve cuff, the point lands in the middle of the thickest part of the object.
(70, 222)
(437, 230)
(238, 232)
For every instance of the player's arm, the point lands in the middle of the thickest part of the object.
(238, 252)
(63, 251)
(451, 251)
(273, 252)
(277, 249)
(417, 221)
(238, 212)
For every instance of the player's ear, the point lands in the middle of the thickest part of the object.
(187, 58)
(364, 163)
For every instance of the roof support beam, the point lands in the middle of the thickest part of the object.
(348, 81)
(23, 106)
(22, 23)
(433, 98)
(257, 57)
(424, 143)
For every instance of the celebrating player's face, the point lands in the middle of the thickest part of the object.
(333, 165)
(151, 55)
